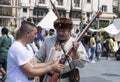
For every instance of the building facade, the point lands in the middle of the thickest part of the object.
(80, 11)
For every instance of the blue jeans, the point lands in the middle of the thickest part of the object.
(87, 49)
(92, 49)
(98, 55)
(107, 53)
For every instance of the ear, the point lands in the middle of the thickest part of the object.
(27, 34)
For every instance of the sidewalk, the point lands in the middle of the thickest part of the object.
(101, 71)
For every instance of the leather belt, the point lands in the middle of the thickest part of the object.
(64, 75)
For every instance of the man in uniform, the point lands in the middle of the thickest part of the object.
(56, 46)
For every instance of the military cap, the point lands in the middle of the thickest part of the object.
(63, 23)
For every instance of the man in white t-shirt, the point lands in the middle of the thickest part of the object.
(21, 64)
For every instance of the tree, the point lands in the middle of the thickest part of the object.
(117, 12)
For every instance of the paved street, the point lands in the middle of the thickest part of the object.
(101, 71)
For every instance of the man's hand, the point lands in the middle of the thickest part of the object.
(75, 45)
(57, 67)
(75, 52)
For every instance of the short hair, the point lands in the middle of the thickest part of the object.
(4, 30)
(29, 19)
(51, 31)
(25, 27)
(39, 28)
(63, 23)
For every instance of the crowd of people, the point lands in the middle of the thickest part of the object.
(96, 46)
(28, 55)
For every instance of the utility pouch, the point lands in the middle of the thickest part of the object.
(74, 75)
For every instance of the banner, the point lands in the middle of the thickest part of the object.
(48, 21)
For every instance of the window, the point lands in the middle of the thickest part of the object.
(62, 13)
(104, 8)
(75, 14)
(115, 9)
(36, 20)
(88, 1)
(77, 3)
(42, 1)
(25, 10)
(39, 11)
(88, 16)
(60, 2)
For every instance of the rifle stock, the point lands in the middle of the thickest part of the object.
(56, 75)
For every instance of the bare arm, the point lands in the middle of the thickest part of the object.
(30, 71)
(40, 65)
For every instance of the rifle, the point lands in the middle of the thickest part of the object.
(56, 75)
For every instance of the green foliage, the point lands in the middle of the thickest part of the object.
(117, 12)
(102, 24)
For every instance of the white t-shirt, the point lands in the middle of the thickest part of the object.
(18, 55)
(32, 48)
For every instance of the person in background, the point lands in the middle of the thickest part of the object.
(51, 32)
(5, 43)
(76, 33)
(46, 35)
(13, 36)
(98, 39)
(86, 42)
(107, 47)
(39, 39)
(111, 39)
(92, 47)
(21, 64)
(57, 46)
(99, 50)
(116, 46)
